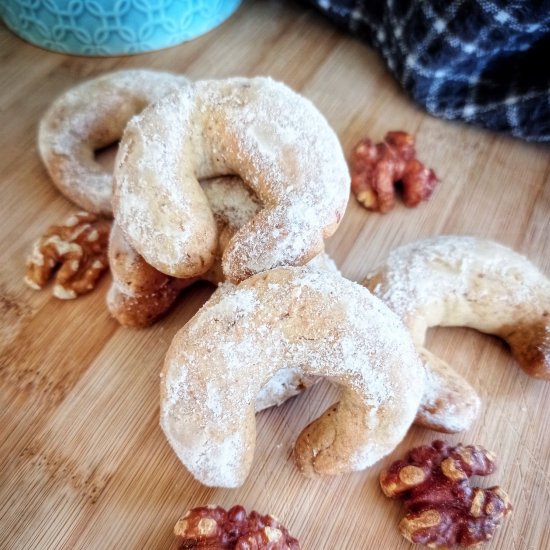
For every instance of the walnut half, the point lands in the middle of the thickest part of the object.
(213, 528)
(77, 249)
(377, 170)
(443, 510)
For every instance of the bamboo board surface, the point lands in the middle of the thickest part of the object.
(83, 462)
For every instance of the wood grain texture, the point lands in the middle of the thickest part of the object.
(83, 463)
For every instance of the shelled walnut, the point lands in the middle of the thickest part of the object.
(213, 528)
(442, 509)
(376, 171)
(77, 249)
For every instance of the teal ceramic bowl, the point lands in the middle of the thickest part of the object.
(112, 27)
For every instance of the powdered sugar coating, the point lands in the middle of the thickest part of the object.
(231, 201)
(90, 116)
(259, 129)
(314, 322)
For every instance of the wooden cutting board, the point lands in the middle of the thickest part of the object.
(83, 461)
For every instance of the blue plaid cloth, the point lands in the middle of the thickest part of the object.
(486, 62)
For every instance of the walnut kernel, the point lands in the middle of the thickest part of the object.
(77, 249)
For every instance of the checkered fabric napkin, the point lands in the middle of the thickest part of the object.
(486, 62)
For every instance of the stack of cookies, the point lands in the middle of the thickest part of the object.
(239, 182)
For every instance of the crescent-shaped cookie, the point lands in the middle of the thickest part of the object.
(469, 282)
(258, 129)
(315, 322)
